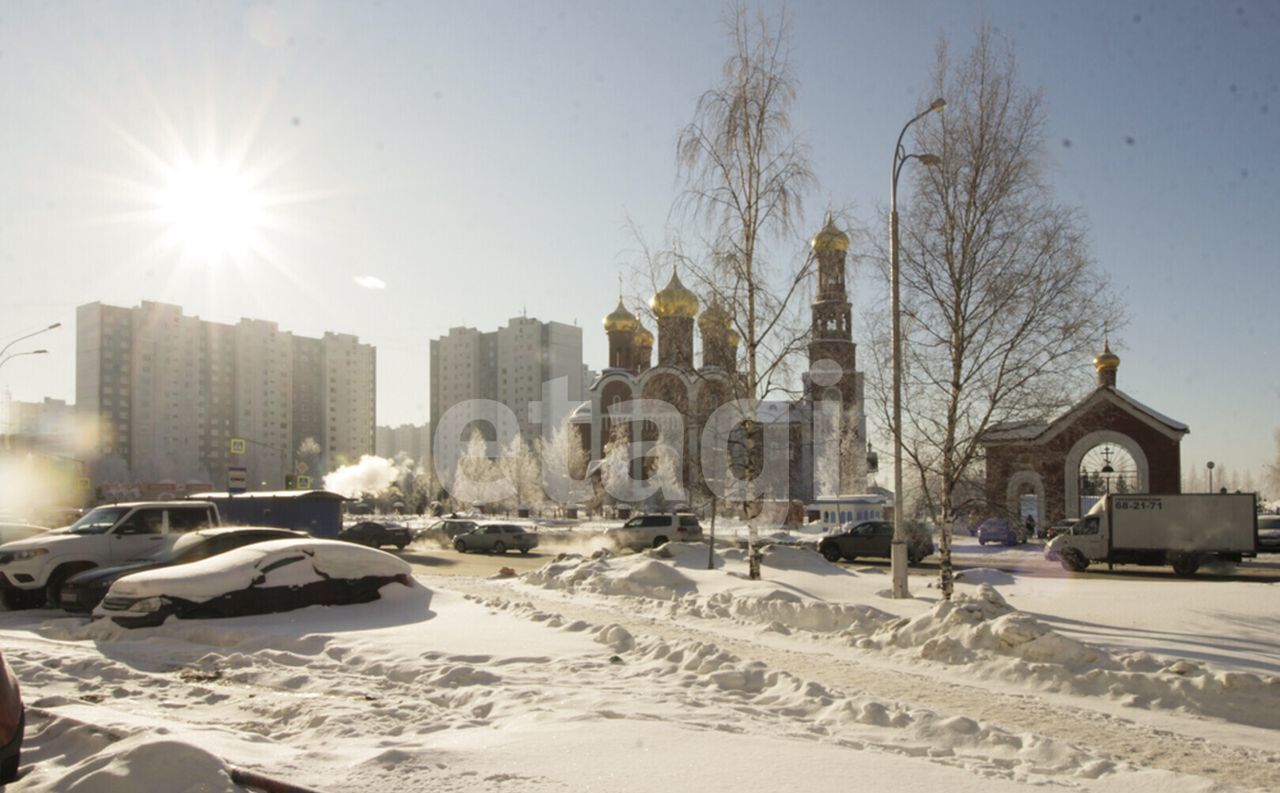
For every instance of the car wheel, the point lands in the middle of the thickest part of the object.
(53, 589)
(524, 551)
(659, 541)
(401, 545)
(19, 599)
(459, 546)
(499, 547)
(914, 558)
(830, 552)
(981, 541)
(1073, 561)
(1185, 565)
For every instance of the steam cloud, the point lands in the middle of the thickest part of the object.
(370, 475)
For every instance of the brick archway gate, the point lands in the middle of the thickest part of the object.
(1050, 453)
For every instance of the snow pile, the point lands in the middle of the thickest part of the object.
(638, 575)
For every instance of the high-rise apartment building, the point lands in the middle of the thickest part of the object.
(509, 366)
(411, 440)
(168, 392)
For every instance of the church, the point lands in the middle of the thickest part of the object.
(814, 443)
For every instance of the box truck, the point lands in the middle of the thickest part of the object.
(1182, 530)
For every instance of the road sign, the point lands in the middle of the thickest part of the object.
(304, 483)
(237, 479)
(238, 445)
(302, 467)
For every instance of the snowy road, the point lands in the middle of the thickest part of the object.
(645, 673)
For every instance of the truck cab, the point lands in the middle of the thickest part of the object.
(33, 570)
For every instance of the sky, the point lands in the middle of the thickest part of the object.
(407, 167)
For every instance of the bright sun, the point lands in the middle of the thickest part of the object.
(211, 210)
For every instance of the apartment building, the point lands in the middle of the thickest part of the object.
(509, 365)
(168, 391)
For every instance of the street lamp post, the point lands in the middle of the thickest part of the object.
(6, 347)
(1209, 465)
(5, 359)
(898, 549)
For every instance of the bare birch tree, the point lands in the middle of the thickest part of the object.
(746, 175)
(1003, 306)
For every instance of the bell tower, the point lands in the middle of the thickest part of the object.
(831, 336)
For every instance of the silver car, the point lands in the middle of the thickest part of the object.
(496, 538)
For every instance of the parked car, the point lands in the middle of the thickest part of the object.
(266, 577)
(82, 592)
(1269, 534)
(19, 531)
(650, 531)
(496, 538)
(376, 535)
(33, 570)
(12, 723)
(445, 529)
(1000, 530)
(873, 538)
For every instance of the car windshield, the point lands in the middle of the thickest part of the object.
(99, 520)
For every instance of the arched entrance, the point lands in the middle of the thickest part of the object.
(1085, 468)
(1025, 496)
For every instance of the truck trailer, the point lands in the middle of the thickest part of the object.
(1182, 530)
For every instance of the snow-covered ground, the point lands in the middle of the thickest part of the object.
(650, 672)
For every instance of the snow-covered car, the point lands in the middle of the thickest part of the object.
(1269, 534)
(873, 538)
(83, 591)
(280, 575)
(12, 723)
(650, 531)
(375, 534)
(9, 532)
(496, 538)
(1000, 530)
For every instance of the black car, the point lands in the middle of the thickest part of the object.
(376, 535)
(82, 592)
(872, 538)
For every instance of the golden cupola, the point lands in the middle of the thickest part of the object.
(643, 338)
(621, 320)
(715, 318)
(674, 300)
(1106, 360)
(830, 238)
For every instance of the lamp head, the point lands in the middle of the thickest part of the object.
(931, 160)
(937, 104)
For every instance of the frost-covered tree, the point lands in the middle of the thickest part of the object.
(665, 476)
(477, 479)
(522, 470)
(564, 467)
(615, 466)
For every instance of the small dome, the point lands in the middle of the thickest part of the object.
(621, 320)
(674, 300)
(830, 238)
(714, 318)
(1106, 360)
(643, 338)
(733, 338)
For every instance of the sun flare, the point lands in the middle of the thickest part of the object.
(210, 209)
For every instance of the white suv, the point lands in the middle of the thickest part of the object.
(650, 531)
(32, 570)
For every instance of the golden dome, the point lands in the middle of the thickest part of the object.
(1106, 359)
(733, 338)
(830, 238)
(714, 318)
(674, 300)
(621, 320)
(642, 338)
